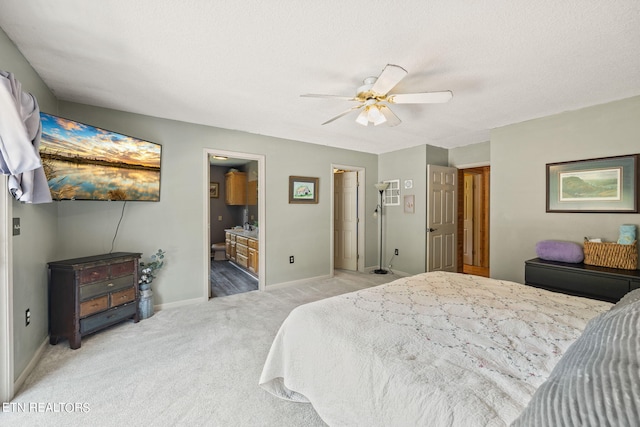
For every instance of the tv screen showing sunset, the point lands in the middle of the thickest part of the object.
(83, 162)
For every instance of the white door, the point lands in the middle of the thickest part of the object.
(345, 216)
(441, 218)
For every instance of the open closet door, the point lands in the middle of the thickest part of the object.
(442, 229)
(346, 220)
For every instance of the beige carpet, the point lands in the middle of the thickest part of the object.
(193, 365)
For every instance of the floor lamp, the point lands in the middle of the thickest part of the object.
(381, 186)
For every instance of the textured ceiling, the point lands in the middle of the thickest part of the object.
(243, 64)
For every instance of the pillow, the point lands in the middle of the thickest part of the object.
(629, 298)
(555, 250)
(596, 381)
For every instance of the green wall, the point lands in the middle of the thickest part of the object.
(406, 231)
(519, 153)
(37, 242)
(177, 224)
(470, 155)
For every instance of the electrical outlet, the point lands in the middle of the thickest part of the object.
(396, 252)
(27, 317)
(291, 259)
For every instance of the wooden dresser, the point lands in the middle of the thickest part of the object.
(603, 283)
(91, 293)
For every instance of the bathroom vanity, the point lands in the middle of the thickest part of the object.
(242, 248)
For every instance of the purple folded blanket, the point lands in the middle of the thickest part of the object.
(555, 250)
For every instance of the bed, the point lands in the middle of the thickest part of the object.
(446, 349)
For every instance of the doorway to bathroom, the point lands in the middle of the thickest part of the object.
(234, 218)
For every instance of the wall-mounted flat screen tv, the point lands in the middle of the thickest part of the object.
(83, 162)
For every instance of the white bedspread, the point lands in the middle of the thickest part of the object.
(436, 349)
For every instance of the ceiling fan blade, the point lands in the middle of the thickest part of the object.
(316, 95)
(392, 119)
(420, 98)
(388, 78)
(344, 113)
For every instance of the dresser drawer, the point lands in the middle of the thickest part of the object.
(93, 306)
(576, 282)
(253, 244)
(122, 269)
(121, 297)
(242, 260)
(241, 250)
(106, 318)
(94, 289)
(95, 274)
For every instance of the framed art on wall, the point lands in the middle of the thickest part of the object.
(392, 193)
(214, 189)
(409, 203)
(303, 189)
(603, 185)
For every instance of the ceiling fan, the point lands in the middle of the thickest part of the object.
(373, 98)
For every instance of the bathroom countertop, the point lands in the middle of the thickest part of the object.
(244, 233)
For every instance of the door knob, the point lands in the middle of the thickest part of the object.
(429, 230)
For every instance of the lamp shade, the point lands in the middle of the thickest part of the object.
(381, 186)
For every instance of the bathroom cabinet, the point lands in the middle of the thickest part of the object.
(235, 188)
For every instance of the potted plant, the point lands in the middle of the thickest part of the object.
(146, 276)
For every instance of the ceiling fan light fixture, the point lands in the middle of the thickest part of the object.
(363, 117)
(375, 116)
(373, 97)
(392, 119)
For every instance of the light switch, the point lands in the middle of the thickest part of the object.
(16, 226)
(219, 217)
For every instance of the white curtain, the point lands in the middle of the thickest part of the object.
(20, 131)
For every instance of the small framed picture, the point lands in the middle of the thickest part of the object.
(214, 189)
(303, 189)
(409, 204)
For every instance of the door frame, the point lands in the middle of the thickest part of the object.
(6, 295)
(476, 167)
(260, 158)
(360, 214)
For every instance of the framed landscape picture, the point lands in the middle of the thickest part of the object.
(303, 189)
(606, 185)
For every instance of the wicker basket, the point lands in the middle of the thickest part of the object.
(611, 255)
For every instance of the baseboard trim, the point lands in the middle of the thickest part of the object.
(178, 303)
(30, 366)
(297, 282)
(401, 273)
